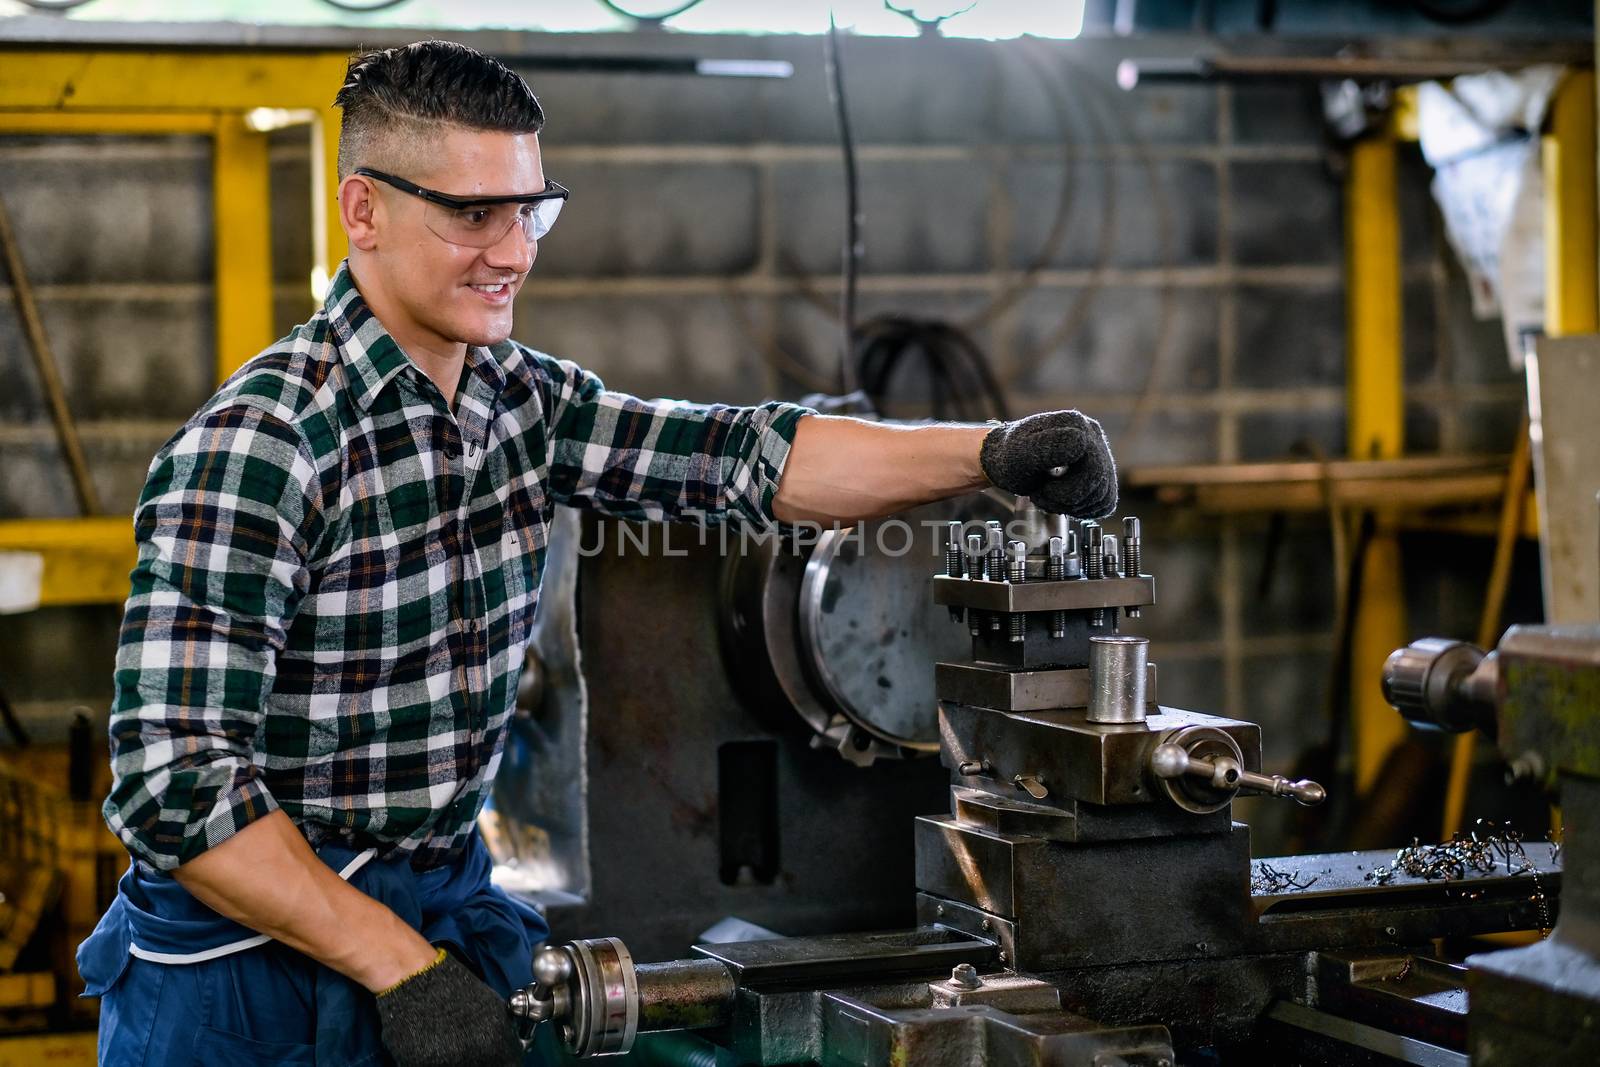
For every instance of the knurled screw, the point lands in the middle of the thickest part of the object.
(1093, 563)
(996, 569)
(1017, 573)
(974, 571)
(954, 566)
(1055, 569)
(1132, 557)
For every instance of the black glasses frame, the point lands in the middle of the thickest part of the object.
(553, 191)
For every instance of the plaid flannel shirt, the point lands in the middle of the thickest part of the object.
(337, 576)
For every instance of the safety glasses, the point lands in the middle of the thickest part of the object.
(481, 222)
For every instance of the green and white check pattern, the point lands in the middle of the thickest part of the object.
(337, 577)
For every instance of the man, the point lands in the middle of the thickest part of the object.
(339, 559)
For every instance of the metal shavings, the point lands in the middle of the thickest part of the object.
(1488, 847)
(1483, 850)
(1266, 878)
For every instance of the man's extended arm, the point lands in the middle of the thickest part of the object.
(845, 470)
(668, 459)
(267, 878)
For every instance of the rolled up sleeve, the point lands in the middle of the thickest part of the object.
(663, 459)
(223, 529)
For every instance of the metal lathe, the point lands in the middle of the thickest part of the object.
(1087, 897)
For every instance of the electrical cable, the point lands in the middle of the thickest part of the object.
(961, 383)
(648, 20)
(852, 242)
(357, 7)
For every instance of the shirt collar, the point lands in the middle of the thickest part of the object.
(372, 357)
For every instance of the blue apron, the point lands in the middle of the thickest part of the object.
(179, 984)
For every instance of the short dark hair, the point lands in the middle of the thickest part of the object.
(402, 90)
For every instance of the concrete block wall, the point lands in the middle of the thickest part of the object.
(1199, 280)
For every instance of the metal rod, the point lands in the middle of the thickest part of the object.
(45, 362)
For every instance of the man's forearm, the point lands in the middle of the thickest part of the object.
(267, 878)
(845, 470)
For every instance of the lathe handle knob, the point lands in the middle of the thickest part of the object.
(1225, 774)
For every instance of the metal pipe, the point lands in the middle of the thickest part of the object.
(684, 994)
(44, 361)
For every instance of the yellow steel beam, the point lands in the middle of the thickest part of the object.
(86, 561)
(1376, 414)
(58, 1050)
(329, 243)
(27, 989)
(242, 201)
(152, 123)
(1375, 426)
(1572, 253)
(142, 80)
(77, 84)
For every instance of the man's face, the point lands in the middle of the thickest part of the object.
(455, 293)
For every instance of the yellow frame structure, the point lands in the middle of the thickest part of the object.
(210, 92)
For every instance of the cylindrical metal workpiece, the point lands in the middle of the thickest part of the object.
(1117, 668)
(684, 994)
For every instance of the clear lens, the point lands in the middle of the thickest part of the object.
(484, 226)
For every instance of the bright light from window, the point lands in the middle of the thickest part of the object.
(1001, 19)
(989, 19)
(866, 17)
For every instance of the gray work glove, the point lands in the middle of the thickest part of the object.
(1023, 457)
(442, 1016)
